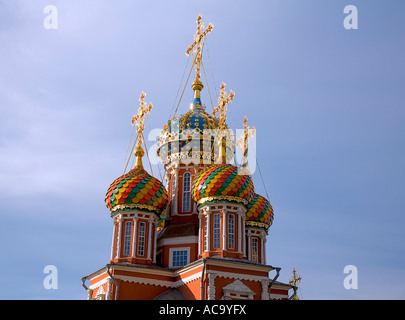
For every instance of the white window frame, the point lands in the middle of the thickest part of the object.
(231, 231)
(254, 249)
(127, 238)
(186, 204)
(217, 231)
(171, 256)
(141, 238)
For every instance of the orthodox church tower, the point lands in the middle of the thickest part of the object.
(202, 237)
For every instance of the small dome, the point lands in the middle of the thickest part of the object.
(137, 189)
(259, 212)
(222, 182)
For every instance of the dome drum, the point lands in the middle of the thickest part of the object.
(194, 135)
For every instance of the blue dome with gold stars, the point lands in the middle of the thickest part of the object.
(190, 135)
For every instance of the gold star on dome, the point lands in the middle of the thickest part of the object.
(139, 118)
(243, 141)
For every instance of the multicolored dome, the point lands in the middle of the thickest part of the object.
(259, 212)
(186, 136)
(193, 135)
(222, 182)
(137, 189)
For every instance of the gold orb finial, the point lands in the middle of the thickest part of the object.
(139, 153)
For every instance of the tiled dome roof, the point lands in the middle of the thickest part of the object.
(222, 182)
(137, 189)
(259, 212)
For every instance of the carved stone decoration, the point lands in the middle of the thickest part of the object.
(100, 294)
(109, 289)
(265, 290)
(211, 286)
(89, 294)
(237, 290)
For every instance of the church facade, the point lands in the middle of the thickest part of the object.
(203, 235)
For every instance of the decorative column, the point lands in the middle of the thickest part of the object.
(243, 237)
(208, 226)
(113, 238)
(154, 240)
(89, 294)
(119, 221)
(224, 228)
(265, 289)
(149, 239)
(176, 190)
(199, 234)
(240, 233)
(109, 289)
(261, 248)
(134, 236)
(211, 286)
(249, 244)
(264, 250)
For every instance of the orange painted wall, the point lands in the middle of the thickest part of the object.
(137, 291)
(192, 290)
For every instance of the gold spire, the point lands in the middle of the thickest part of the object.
(139, 121)
(196, 47)
(243, 141)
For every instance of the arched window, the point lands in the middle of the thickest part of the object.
(186, 192)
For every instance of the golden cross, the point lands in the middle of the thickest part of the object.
(243, 141)
(222, 107)
(295, 280)
(196, 46)
(139, 119)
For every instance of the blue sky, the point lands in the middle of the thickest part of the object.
(327, 104)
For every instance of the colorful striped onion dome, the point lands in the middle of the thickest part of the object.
(259, 212)
(222, 182)
(137, 189)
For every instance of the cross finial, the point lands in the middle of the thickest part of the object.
(295, 280)
(222, 107)
(196, 46)
(243, 141)
(139, 118)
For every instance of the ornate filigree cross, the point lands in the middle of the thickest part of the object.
(196, 46)
(295, 280)
(243, 141)
(139, 118)
(222, 107)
